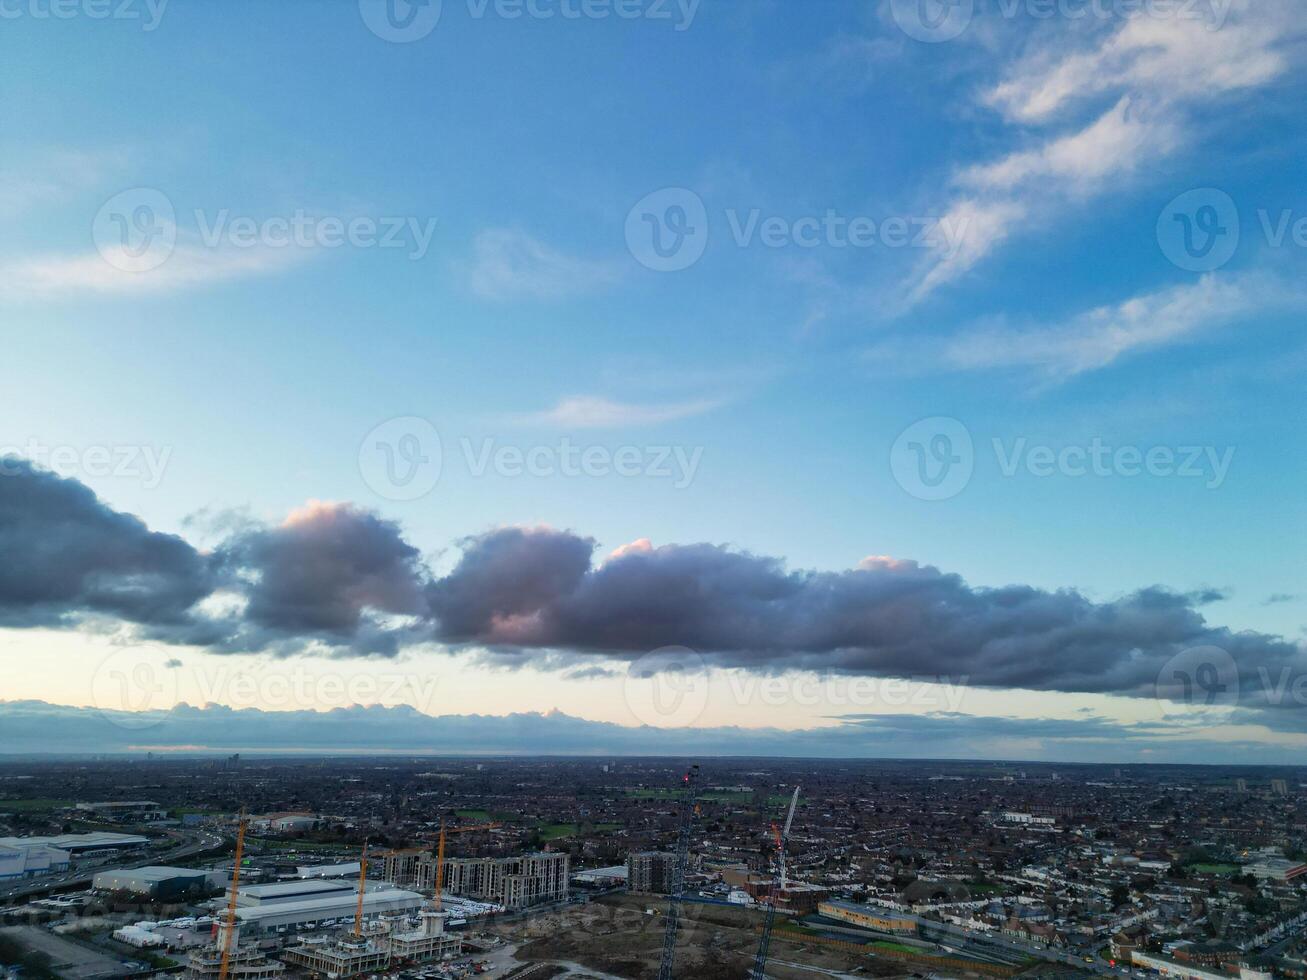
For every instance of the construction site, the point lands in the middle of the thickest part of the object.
(387, 929)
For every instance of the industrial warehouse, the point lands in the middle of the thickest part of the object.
(29, 857)
(159, 882)
(294, 905)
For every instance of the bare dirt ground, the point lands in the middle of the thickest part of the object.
(616, 939)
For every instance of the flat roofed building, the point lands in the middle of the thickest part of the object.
(293, 891)
(299, 912)
(159, 881)
(346, 869)
(143, 810)
(80, 845)
(30, 862)
(868, 917)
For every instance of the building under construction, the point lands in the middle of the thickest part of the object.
(384, 944)
(243, 963)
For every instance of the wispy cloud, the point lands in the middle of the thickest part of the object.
(53, 175)
(510, 264)
(188, 266)
(1096, 338)
(591, 412)
(1156, 71)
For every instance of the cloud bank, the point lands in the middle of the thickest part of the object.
(36, 727)
(334, 578)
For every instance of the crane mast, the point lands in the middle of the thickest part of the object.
(764, 944)
(231, 899)
(688, 806)
(363, 880)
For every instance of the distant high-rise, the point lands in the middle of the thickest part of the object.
(1279, 787)
(1241, 785)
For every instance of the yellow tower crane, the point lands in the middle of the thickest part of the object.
(440, 852)
(231, 899)
(363, 880)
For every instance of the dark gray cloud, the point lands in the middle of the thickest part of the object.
(885, 617)
(65, 554)
(336, 578)
(326, 573)
(37, 727)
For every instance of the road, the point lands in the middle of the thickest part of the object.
(1017, 946)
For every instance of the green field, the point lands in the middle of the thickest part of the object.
(32, 806)
(1215, 869)
(557, 831)
(900, 947)
(476, 816)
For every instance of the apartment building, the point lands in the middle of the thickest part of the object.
(513, 882)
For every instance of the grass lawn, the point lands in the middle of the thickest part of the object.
(479, 816)
(32, 806)
(1215, 869)
(901, 947)
(557, 831)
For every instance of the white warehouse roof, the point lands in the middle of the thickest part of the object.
(316, 909)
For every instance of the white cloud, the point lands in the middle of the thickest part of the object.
(1158, 71)
(510, 264)
(590, 412)
(1098, 337)
(188, 266)
(1172, 59)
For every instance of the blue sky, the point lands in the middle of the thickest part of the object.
(1056, 317)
